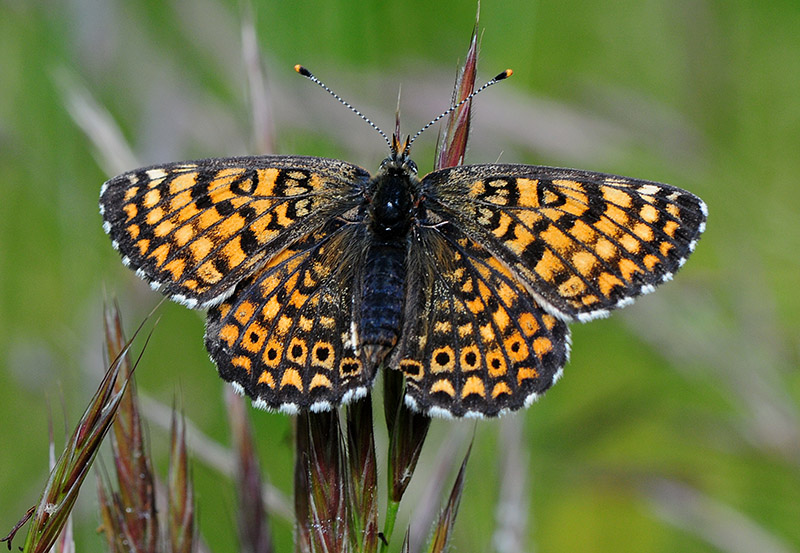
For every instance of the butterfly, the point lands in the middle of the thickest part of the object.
(315, 272)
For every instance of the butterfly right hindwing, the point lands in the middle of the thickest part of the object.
(475, 342)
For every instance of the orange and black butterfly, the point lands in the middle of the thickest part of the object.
(315, 273)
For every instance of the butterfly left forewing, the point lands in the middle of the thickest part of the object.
(192, 230)
(582, 242)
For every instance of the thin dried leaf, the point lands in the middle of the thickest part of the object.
(438, 473)
(406, 548)
(363, 479)
(710, 520)
(302, 486)
(180, 492)
(254, 533)
(510, 535)
(260, 107)
(444, 527)
(52, 513)
(113, 153)
(452, 142)
(135, 501)
(328, 483)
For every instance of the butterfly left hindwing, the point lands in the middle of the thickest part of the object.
(285, 336)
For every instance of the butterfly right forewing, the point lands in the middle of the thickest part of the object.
(582, 242)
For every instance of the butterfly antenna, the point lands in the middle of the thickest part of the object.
(306, 73)
(504, 75)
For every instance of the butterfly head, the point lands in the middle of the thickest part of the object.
(391, 194)
(399, 161)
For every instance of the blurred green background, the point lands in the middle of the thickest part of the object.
(677, 424)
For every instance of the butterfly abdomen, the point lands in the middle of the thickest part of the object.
(384, 276)
(382, 298)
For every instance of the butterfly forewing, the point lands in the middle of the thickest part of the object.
(581, 242)
(195, 229)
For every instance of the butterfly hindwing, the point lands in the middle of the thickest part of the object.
(194, 229)
(285, 337)
(475, 343)
(581, 242)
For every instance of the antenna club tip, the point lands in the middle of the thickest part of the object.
(504, 75)
(302, 70)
